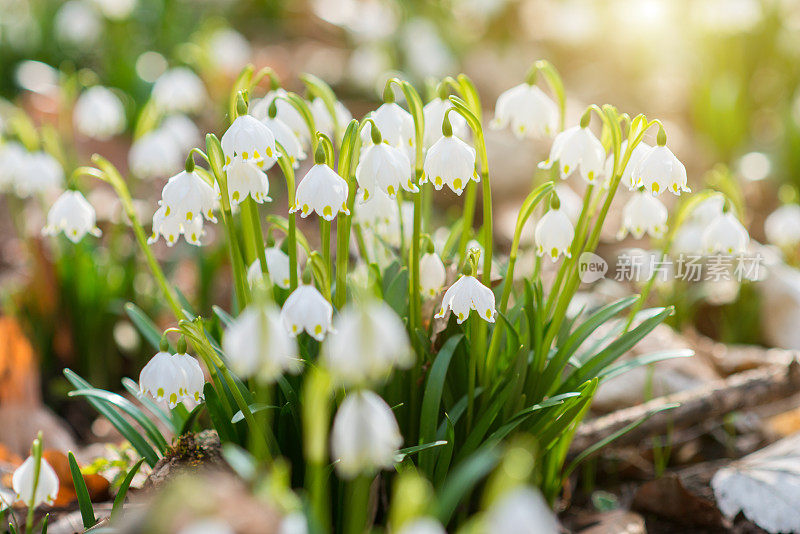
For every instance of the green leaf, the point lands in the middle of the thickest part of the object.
(254, 408)
(644, 359)
(45, 522)
(523, 415)
(221, 421)
(396, 292)
(225, 318)
(402, 453)
(84, 502)
(432, 398)
(156, 410)
(484, 422)
(144, 324)
(188, 423)
(446, 453)
(119, 500)
(123, 404)
(123, 427)
(462, 480)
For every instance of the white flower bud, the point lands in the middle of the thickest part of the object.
(99, 113)
(23, 479)
(466, 294)
(432, 274)
(530, 112)
(72, 214)
(306, 309)
(365, 435)
(553, 234)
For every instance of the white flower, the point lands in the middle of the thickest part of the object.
(450, 161)
(23, 479)
(521, 511)
(258, 345)
(207, 526)
(725, 235)
(188, 196)
(164, 378)
(286, 112)
(554, 234)
(229, 50)
(689, 239)
(306, 309)
(323, 191)
(423, 525)
(194, 380)
(395, 124)
(294, 523)
(249, 139)
(659, 170)
(172, 227)
(12, 164)
(246, 179)
(77, 24)
(182, 129)
(73, 215)
(377, 213)
(466, 294)
(384, 167)
(365, 435)
(708, 210)
(782, 226)
(99, 113)
(529, 111)
(432, 274)
(287, 139)
(155, 154)
(277, 265)
(323, 120)
(637, 154)
(367, 341)
(179, 90)
(40, 172)
(433, 112)
(115, 9)
(577, 147)
(643, 213)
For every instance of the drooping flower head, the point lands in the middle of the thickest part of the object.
(285, 111)
(306, 309)
(659, 170)
(433, 113)
(395, 124)
(179, 90)
(554, 233)
(99, 113)
(73, 215)
(40, 172)
(246, 179)
(321, 190)
(782, 226)
(188, 197)
(450, 161)
(277, 265)
(577, 148)
(249, 139)
(23, 481)
(156, 154)
(384, 167)
(643, 213)
(529, 111)
(725, 235)
(365, 435)
(637, 154)
(466, 294)
(432, 274)
(165, 378)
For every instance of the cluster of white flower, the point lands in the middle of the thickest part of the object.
(185, 201)
(172, 378)
(28, 173)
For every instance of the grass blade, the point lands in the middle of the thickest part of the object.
(84, 501)
(119, 500)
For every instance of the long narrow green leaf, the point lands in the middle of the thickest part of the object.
(523, 415)
(123, 427)
(119, 499)
(484, 422)
(222, 422)
(254, 408)
(402, 453)
(190, 420)
(156, 410)
(143, 324)
(123, 404)
(84, 501)
(446, 454)
(644, 359)
(463, 479)
(224, 316)
(432, 398)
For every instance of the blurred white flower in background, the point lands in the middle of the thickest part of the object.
(423, 525)
(725, 235)
(183, 130)
(433, 113)
(208, 526)
(755, 166)
(426, 53)
(432, 274)
(323, 120)
(12, 161)
(179, 90)
(521, 511)
(99, 113)
(37, 77)
(643, 214)
(115, 9)
(306, 309)
(156, 154)
(366, 66)
(529, 111)
(277, 265)
(229, 50)
(72, 214)
(39, 173)
(78, 24)
(782, 226)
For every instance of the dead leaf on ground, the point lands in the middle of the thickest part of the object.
(668, 497)
(19, 372)
(96, 484)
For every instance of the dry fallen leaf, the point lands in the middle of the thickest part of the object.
(96, 484)
(765, 486)
(668, 497)
(19, 373)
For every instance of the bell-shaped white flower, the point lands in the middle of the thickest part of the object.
(367, 341)
(395, 124)
(450, 161)
(323, 120)
(423, 525)
(72, 214)
(659, 170)
(577, 148)
(164, 379)
(287, 139)
(194, 380)
(384, 167)
(782, 226)
(725, 235)
(707, 210)
(46, 486)
(643, 213)
(171, 227)
(377, 213)
(188, 197)
(40, 172)
(245, 179)
(521, 511)
(183, 131)
(528, 110)
(179, 90)
(323, 191)
(277, 265)
(365, 435)
(432, 274)
(433, 112)
(689, 239)
(249, 139)
(12, 164)
(286, 112)
(156, 154)
(466, 294)
(637, 154)
(258, 345)
(553, 234)
(99, 113)
(306, 309)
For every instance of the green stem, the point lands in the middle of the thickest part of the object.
(288, 172)
(325, 235)
(467, 216)
(37, 459)
(357, 505)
